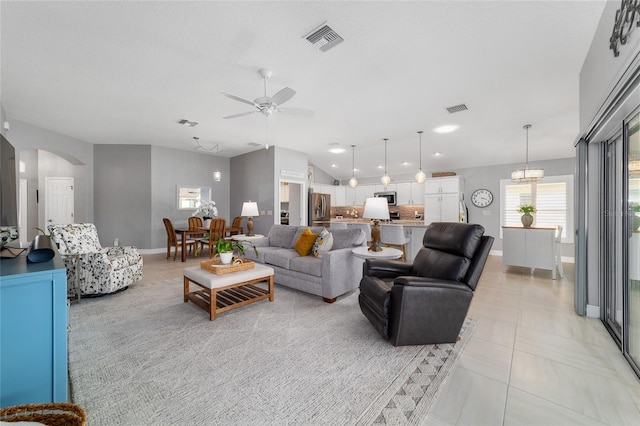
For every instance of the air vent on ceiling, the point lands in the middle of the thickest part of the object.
(188, 123)
(324, 38)
(457, 108)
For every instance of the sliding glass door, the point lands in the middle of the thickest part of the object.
(632, 135)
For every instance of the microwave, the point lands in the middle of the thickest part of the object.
(389, 195)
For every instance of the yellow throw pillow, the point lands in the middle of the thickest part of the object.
(305, 243)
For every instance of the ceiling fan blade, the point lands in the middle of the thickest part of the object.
(282, 96)
(239, 99)
(242, 114)
(300, 112)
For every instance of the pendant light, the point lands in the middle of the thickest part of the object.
(353, 182)
(527, 175)
(420, 176)
(386, 180)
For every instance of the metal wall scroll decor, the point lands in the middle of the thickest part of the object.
(627, 17)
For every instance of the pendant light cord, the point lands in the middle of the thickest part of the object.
(420, 149)
(385, 155)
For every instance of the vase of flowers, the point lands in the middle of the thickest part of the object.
(527, 218)
(208, 211)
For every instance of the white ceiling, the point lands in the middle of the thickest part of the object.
(125, 73)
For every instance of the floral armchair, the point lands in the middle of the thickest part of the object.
(101, 270)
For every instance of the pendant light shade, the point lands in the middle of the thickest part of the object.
(420, 176)
(527, 175)
(353, 182)
(386, 180)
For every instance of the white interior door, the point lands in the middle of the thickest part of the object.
(22, 211)
(58, 200)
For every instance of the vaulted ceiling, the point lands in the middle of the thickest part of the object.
(119, 72)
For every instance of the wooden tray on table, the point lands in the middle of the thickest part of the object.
(215, 266)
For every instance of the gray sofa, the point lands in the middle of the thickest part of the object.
(337, 272)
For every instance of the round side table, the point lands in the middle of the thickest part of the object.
(387, 253)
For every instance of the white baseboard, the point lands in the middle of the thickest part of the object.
(565, 259)
(593, 311)
(153, 251)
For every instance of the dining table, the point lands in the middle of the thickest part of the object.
(184, 234)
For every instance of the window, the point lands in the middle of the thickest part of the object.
(552, 196)
(190, 198)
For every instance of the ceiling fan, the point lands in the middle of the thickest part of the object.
(268, 105)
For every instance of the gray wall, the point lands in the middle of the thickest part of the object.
(136, 186)
(78, 161)
(252, 179)
(601, 71)
(601, 78)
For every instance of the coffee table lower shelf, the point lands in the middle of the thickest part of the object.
(221, 293)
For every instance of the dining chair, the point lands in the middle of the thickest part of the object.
(235, 228)
(366, 227)
(393, 236)
(195, 222)
(172, 239)
(216, 232)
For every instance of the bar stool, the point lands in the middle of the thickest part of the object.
(393, 236)
(558, 256)
(366, 227)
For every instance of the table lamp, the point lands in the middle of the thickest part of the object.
(249, 210)
(376, 208)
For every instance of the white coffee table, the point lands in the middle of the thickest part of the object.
(363, 252)
(223, 292)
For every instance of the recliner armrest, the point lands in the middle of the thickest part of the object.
(426, 282)
(385, 268)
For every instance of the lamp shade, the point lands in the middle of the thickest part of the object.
(250, 208)
(376, 208)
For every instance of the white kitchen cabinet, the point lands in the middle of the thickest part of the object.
(417, 193)
(382, 188)
(350, 196)
(444, 185)
(323, 189)
(403, 193)
(441, 208)
(529, 247)
(340, 199)
(415, 234)
(363, 192)
(442, 199)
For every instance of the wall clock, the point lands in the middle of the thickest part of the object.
(481, 198)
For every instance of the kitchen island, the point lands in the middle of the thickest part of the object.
(413, 230)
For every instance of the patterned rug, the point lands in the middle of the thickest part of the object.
(144, 357)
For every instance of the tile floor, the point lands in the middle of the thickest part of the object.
(531, 360)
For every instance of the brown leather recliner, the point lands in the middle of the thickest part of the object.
(426, 302)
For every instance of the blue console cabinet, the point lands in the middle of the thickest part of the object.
(33, 331)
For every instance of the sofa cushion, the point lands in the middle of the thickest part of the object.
(301, 229)
(305, 242)
(323, 243)
(307, 265)
(345, 238)
(280, 257)
(282, 236)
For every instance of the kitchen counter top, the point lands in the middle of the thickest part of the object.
(404, 222)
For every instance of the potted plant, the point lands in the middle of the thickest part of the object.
(526, 210)
(226, 248)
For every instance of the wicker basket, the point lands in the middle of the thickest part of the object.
(53, 414)
(215, 266)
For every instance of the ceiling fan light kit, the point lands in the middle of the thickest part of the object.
(527, 175)
(420, 176)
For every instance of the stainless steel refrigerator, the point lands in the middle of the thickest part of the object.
(319, 209)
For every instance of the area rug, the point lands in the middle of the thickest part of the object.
(144, 357)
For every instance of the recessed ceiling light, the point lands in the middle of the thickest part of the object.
(334, 165)
(437, 154)
(447, 128)
(405, 163)
(336, 148)
(380, 166)
(356, 169)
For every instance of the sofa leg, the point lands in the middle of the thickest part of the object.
(329, 300)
